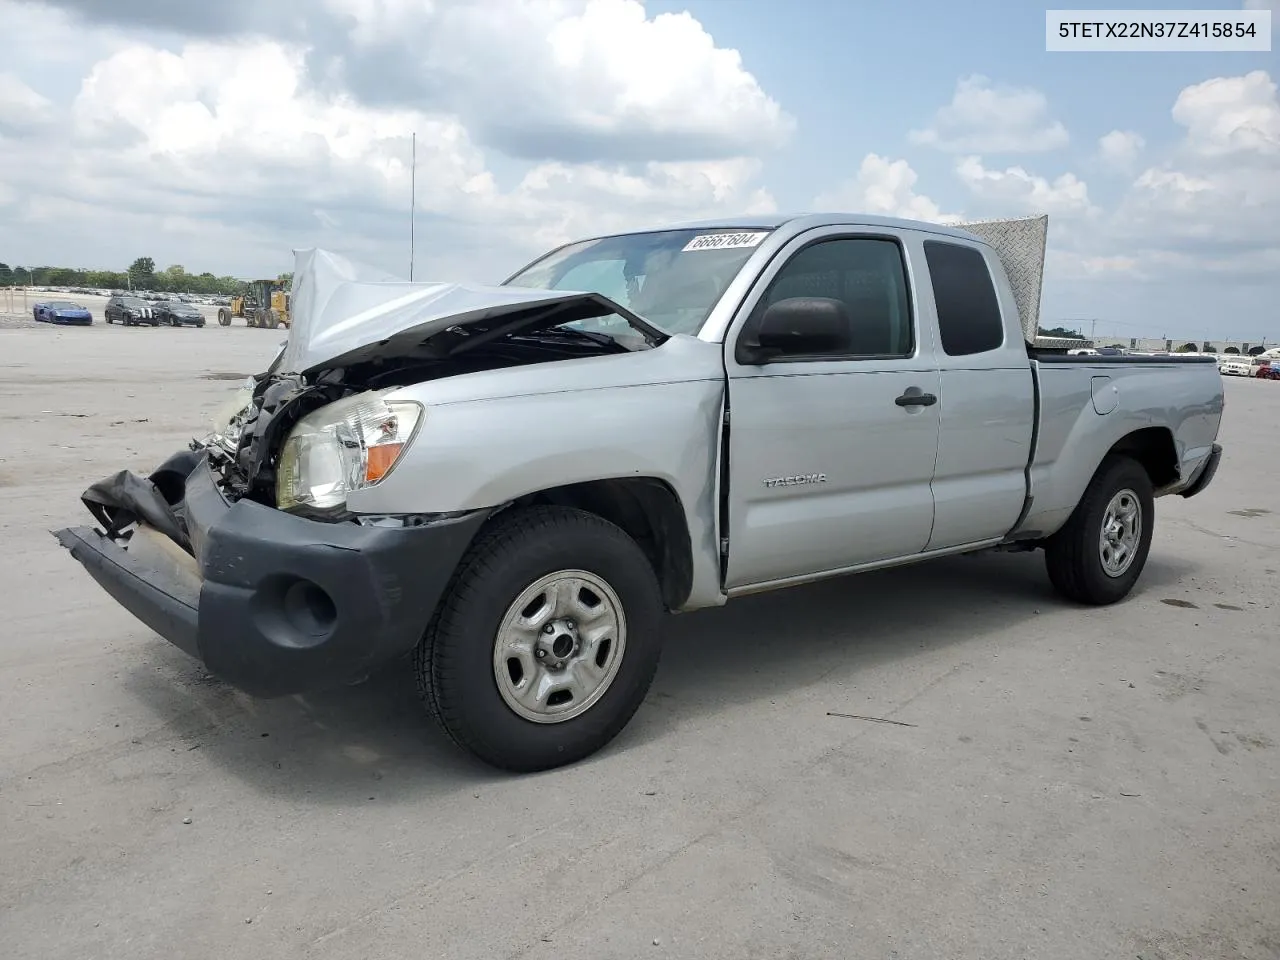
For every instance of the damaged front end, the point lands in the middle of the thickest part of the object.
(245, 451)
(241, 550)
(273, 602)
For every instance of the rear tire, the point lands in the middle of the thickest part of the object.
(224, 318)
(1097, 557)
(525, 586)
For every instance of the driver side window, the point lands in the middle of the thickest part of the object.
(868, 276)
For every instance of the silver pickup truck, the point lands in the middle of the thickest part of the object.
(511, 485)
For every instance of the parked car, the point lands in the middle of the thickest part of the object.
(61, 311)
(513, 484)
(178, 314)
(130, 312)
(1242, 366)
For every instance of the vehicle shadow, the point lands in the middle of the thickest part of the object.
(764, 646)
(348, 746)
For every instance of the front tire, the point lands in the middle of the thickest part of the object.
(546, 641)
(1097, 557)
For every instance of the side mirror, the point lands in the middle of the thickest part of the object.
(798, 326)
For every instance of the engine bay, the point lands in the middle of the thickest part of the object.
(245, 454)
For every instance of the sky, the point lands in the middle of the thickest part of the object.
(224, 134)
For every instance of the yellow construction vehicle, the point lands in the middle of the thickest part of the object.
(265, 304)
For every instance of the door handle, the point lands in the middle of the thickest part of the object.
(910, 399)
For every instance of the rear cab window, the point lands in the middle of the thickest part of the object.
(969, 318)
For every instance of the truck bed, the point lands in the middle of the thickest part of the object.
(1090, 404)
(1054, 356)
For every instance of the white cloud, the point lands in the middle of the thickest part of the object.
(886, 188)
(222, 120)
(218, 153)
(573, 80)
(560, 201)
(1220, 193)
(568, 80)
(986, 118)
(1202, 224)
(20, 106)
(1120, 148)
(1231, 115)
(1015, 191)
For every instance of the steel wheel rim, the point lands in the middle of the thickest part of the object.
(1120, 534)
(559, 646)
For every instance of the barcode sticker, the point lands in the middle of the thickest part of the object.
(725, 241)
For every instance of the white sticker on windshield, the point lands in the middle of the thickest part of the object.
(725, 241)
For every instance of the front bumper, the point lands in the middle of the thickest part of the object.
(273, 603)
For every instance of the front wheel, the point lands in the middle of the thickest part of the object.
(545, 643)
(1097, 557)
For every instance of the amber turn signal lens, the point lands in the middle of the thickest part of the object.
(381, 458)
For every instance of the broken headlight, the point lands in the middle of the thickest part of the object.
(343, 446)
(228, 422)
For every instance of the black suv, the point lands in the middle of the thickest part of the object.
(179, 314)
(130, 311)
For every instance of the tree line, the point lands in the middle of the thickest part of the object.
(141, 275)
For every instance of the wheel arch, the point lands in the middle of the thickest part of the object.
(649, 511)
(1154, 449)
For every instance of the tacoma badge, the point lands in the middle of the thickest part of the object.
(796, 481)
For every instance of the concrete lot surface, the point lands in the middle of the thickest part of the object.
(1060, 783)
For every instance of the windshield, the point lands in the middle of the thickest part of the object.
(132, 302)
(672, 278)
(64, 305)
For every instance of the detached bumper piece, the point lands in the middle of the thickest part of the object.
(272, 603)
(1207, 472)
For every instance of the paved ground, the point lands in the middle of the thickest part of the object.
(1073, 784)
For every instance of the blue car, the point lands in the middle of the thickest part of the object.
(61, 311)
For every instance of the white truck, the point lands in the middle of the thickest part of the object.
(510, 486)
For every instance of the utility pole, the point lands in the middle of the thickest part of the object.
(413, 196)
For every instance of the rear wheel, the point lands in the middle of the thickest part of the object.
(224, 317)
(546, 641)
(1097, 557)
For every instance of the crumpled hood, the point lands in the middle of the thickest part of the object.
(345, 312)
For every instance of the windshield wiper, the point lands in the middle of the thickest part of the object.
(569, 333)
